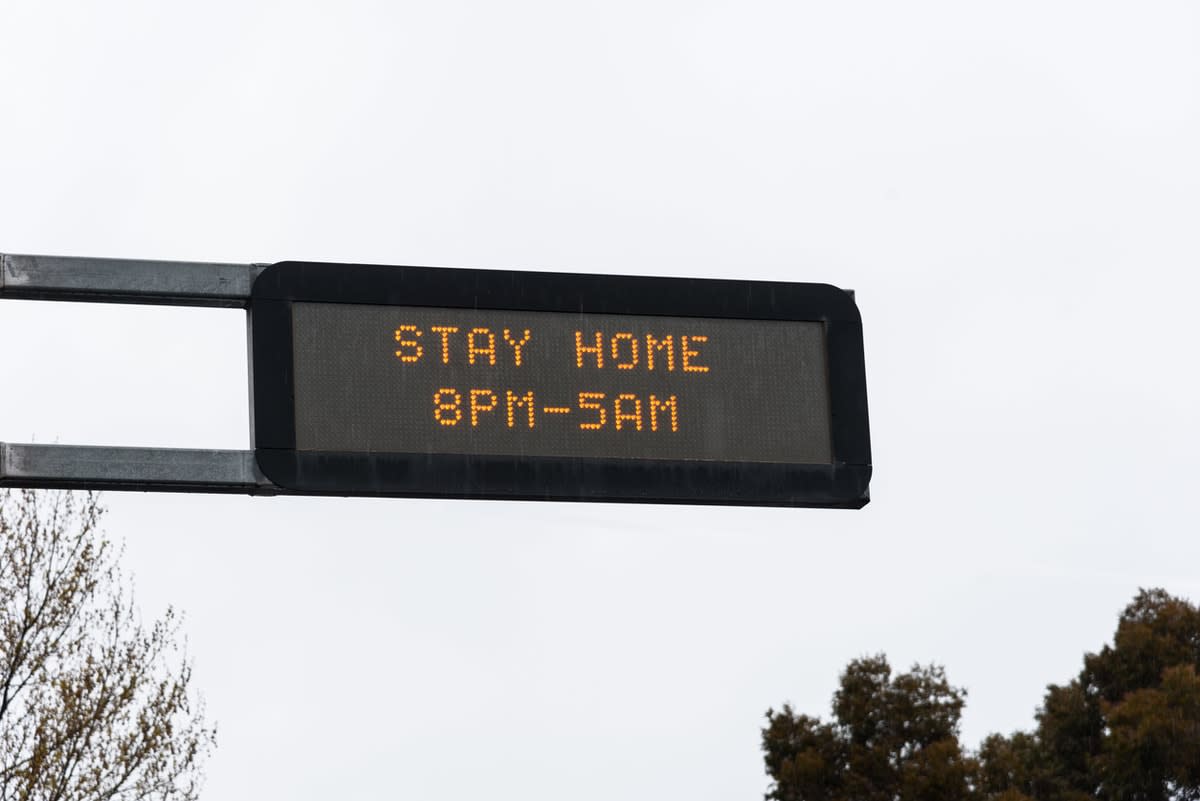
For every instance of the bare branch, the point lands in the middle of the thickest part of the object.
(92, 704)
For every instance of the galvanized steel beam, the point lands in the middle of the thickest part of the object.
(135, 469)
(169, 283)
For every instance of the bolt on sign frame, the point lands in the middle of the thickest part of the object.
(432, 382)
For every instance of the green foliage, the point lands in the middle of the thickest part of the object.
(892, 738)
(1127, 728)
(93, 705)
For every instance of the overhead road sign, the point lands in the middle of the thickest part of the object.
(498, 384)
(416, 381)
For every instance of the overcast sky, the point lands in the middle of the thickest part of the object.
(1013, 190)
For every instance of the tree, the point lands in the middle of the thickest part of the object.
(1127, 728)
(891, 738)
(93, 704)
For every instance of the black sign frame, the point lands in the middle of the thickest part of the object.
(842, 484)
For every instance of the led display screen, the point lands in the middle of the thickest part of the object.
(509, 384)
(408, 379)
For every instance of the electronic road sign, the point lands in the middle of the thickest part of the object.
(418, 381)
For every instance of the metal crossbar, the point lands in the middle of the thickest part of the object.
(136, 469)
(153, 283)
(170, 283)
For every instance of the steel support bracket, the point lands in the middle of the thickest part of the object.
(159, 283)
(135, 469)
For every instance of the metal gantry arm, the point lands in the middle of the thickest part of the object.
(156, 283)
(152, 283)
(137, 469)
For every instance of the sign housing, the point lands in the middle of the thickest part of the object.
(417, 381)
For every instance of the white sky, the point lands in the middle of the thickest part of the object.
(1013, 189)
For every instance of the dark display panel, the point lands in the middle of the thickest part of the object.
(766, 404)
(400, 379)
